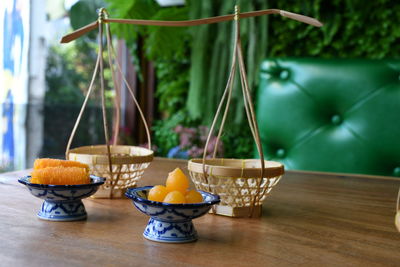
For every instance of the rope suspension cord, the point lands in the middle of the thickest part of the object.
(226, 95)
(111, 51)
(249, 108)
(102, 16)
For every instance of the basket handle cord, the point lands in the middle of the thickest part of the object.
(71, 137)
(111, 51)
(248, 104)
(237, 56)
(99, 64)
(117, 87)
(103, 101)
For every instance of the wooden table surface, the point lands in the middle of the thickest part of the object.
(309, 219)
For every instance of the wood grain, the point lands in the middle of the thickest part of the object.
(310, 219)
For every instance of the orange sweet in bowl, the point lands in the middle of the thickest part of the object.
(60, 176)
(193, 196)
(157, 193)
(59, 172)
(175, 197)
(177, 181)
(176, 190)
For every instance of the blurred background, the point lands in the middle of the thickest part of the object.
(178, 74)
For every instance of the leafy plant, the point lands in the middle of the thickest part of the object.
(163, 132)
(353, 29)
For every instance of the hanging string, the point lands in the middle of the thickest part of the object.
(117, 97)
(227, 94)
(249, 110)
(131, 92)
(102, 15)
(72, 135)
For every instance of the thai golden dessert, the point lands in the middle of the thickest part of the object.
(59, 172)
(175, 191)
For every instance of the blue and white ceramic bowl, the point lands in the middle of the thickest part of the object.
(63, 202)
(170, 223)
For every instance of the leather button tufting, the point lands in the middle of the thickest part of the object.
(336, 119)
(280, 153)
(396, 171)
(284, 74)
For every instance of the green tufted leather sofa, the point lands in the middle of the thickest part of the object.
(333, 115)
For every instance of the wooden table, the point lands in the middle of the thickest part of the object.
(309, 219)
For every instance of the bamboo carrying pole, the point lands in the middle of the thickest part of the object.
(78, 33)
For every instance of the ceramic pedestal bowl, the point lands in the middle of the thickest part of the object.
(63, 202)
(170, 223)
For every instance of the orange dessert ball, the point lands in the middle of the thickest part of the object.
(193, 197)
(177, 181)
(175, 197)
(157, 193)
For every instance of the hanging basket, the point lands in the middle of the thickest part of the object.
(121, 165)
(242, 184)
(128, 166)
(237, 182)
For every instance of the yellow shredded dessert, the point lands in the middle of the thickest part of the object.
(60, 176)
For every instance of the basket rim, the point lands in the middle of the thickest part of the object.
(84, 155)
(218, 167)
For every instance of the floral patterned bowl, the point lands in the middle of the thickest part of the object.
(170, 223)
(63, 202)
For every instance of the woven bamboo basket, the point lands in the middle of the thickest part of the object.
(128, 166)
(121, 165)
(237, 182)
(242, 184)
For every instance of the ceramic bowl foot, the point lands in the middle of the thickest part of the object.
(62, 211)
(170, 232)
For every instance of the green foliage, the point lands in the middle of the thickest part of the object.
(160, 42)
(165, 137)
(172, 86)
(131, 9)
(238, 142)
(62, 77)
(353, 28)
(84, 12)
(211, 56)
(166, 43)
